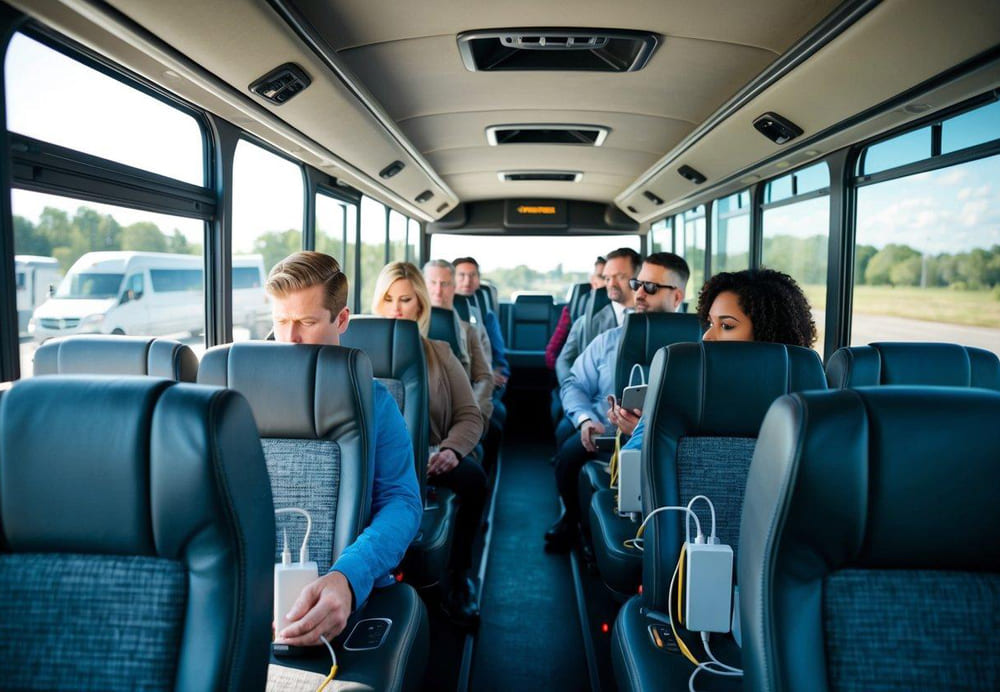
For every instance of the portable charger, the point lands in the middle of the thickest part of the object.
(708, 580)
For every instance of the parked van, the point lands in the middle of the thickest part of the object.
(147, 294)
(34, 275)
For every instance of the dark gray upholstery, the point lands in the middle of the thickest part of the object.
(643, 334)
(134, 554)
(468, 310)
(116, 355)
(596, 301)
(931, 364)
(531, 325)
(870, 554)
(446, 327)
(578, 300)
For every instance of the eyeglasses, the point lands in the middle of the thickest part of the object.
(650, 287)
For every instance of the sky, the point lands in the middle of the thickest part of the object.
(54, 98)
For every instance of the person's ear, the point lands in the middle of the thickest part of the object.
(343, 317)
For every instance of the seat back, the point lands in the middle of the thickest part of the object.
(314, 408)
(94, 354)
(531, 317)
(468, 310)
(446, 326)
(578, 300)
(596, 301)
(484, 300)
(871, 557)
(133, 551)
(396, 352)
(643, 334)
(933, 364)
(704, 408)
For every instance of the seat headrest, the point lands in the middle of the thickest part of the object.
(928, 364)
(461, 306)
(116, 355)
(393, 346)
(533, 308)
(300, 391)
(725, 388)
(596, 300)
(445, 326)
(881, 477)
(117, 465)
(643, 334)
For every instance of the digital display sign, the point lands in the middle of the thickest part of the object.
(535, 213)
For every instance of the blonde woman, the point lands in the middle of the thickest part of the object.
(456, 426)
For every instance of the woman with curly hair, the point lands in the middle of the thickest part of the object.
(756, 305)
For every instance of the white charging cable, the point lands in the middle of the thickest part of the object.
(631, 374)
(687, 525)
(304, 548)
(637, 541)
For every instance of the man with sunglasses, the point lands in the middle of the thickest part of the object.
(660, 287)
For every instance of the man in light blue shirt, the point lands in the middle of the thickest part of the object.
(309, 297)
(658, 288)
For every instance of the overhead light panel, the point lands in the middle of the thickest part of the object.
(776, 128)
(574, 49)
(691, 174)
(281, 83)
(546, 133)
(540, 176)
(391, 170)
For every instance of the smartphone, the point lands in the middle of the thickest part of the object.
(604, 443)
(634, 397)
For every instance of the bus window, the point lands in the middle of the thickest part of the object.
(731, 233)
(927, 259)
(796, 233)
(373, 237)
(556, 262)
(660, 239)
(413, 241)
(45, 94)
(336, 222)
(397, 237)
(690, 244)
(268, 193)
(102, 269)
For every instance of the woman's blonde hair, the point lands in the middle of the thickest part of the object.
(395, 271)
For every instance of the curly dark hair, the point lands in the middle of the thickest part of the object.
(772, 300)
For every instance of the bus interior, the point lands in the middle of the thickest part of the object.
(851, 144)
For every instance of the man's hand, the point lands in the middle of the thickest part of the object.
(499, 379)
(587, 432)
(441, 462)
(624, 419)
(321, 609)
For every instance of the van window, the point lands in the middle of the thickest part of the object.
(136, 286)
(168, 280)
(21, 281)
(90, 285)
(246, 277)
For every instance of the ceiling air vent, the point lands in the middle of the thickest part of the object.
(540, 176)
(546, 133)
(655, 199)
(589, 50)
(281, 83)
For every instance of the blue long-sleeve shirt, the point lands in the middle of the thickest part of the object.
(496, 343)
(396, 505)
(635, 442)
(591, 379)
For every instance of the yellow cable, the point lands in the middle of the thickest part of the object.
(680, 584)
(333, 672)
(680, 642)
(613, 464)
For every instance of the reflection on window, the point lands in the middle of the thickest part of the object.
(927, 260)
(56, 99)
(267, 227)
(93, 268)
(731, 233)
(552, 266)
(336, 224)
(373, 246)
(691, 246)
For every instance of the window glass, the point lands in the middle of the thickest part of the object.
(552, 266)
(659, 236)
(100, 269)
(927, 260)
(46, 95)
(413, 241)
(336, 223)
(691, 246)
(800, 182)
(796, 241)
(972, 128)
(731, 233)
(898, 151)
(267, 227)
(372, 249)
(397, 237)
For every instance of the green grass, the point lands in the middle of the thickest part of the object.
(973, 308)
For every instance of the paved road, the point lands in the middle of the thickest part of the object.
(868, 328)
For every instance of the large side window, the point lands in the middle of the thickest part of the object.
(660, 236)
(397, 236)
(373, 238)
(336, 221)
(267, 227)
(731, 233)
(413, 241)
(796, 234)
(689, 243)
(927, 259)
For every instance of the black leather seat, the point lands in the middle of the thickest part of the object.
(530, 328)
(397, 356)
(578, 300)
(936, 364)
(596, 301)
(871, 542)
(314, 409)
(134, 552)
(705, 404)
(116, 355)
(642, 336)
(468, 310)
(446, 327)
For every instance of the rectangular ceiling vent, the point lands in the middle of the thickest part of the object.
(547, 133)
(540, 176)
(587, 50)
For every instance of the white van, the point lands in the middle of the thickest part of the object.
(145, 294)
(34, 275)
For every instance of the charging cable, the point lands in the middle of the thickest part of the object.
(637, 541)
(286, 557)
(631, 374)
(712, 539)
(333, 666)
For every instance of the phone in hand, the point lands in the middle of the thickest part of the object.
(634, 397)
(604, 443)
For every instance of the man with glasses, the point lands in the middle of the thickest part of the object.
(658, 288)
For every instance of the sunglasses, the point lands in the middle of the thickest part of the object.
(650, 287)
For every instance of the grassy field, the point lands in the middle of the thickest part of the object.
(973, 308)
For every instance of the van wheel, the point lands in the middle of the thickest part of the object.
(118, 331)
